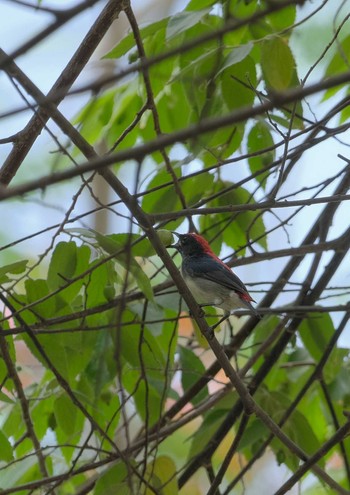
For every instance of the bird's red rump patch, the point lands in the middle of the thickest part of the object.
(246, 297)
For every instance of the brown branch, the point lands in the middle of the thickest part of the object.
(262, 206)
(228, 457)
(58, 91)
(62, 16)
(38, 329)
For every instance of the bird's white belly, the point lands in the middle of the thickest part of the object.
(212, 294)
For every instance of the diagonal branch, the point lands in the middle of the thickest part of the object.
(311, 462)
(58, 91)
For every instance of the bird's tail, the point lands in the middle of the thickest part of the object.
(250, 307)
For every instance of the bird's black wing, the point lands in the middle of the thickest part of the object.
(210, 269)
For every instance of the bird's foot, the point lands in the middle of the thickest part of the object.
(224, 318)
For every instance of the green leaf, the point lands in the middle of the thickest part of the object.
(192, 369)
(66, 413)
(283, 121)
(144, 373)
(163, 475)
(6, 453)
(140, 348)
(220, 144)
(315, 333)
(260, 138)
(42, 410)
(339, 63)
(68, 352)
(341, 60)
(339, 387)
(278, 63)
(13, 473)
(256, 431)
(107, 411)
(299, 429)
(199, 4)
(264, 329)
(337, 362)
(105, 275)
(62, 265)
(67, 262)
(173, 107)
(36, 290)
(206, 431)
(295, 372)
(129, 103)
(345, 113)
(4, 377)
(237, 54)
(204, 187)
(127, 261)
(238, 83)
(108, 115)
(244, 226)
(183, 21)
(149, 403)
(109, 482)
(3, 397)
(165, 199)
(12, 268)
(199, 68)
(127, 43)
(283, 18)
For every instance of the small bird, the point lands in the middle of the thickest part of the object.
(211, 282)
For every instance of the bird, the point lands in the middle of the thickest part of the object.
(210, 280)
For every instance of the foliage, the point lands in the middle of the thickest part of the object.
(203, 118)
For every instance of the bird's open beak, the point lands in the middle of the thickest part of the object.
(174, 246)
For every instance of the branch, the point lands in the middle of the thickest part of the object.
(13, 375)
(58, 91)
(151, 102)
(263, 205)
(311, 462)
(139, 152)
(311, 379)
(61, 18)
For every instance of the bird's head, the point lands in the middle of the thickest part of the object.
(191, 244)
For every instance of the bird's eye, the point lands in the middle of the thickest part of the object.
(184, 240)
